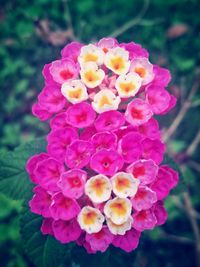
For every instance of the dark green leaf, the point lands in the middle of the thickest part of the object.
(43, 250)
(14, 180)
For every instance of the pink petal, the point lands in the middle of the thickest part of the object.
(32, 163)
(40, 112)
(127, 242)
(78, 154)
(138, 112)
(144, 199)
(160, 213)
(46, 227)
(66, 231)
(109, 120)
(105, 140)
(40, 202)
(150, 129)
(143, 220)
(162, 76)
(158, 98)
(72, 183)
(145, 170)
(59, 140)
(100, 241)
(59, 121)
(153, 149)
(130, 147)
(51, 99)
(64, 208)
(81, 115)
(106, 162)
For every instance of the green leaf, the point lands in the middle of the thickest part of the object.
(14, 180)
(43, 250)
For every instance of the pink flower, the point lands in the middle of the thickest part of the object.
(63, 70)
(32, 163)
(47, 173)
(59, 121)
(51, 99)
(144, 198)
(40, 112)
(59, 140)
(162, 76)
(109, 120)
(105, 140)
(144, 219)
(172, 104)
(78, 154)
(135, 50)
(160, 213)
(46, 227)
(81, 115)
(130, 147)
(150, 129)
(127, 242)
(163, 185)
(40, 202)
(71, 51)
(100, 241)
(158, 98)
(87, 133)
(47, 75)
(66, 231)
(153, 149)
(72, 183)
(64, 208)
(138, 112)
(107, 43)
(144, 170)
(106, 162)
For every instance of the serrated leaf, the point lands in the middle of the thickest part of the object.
(43, 250)
(14, 180)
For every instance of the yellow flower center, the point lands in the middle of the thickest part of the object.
(91, 76)
(90, 57)
(127, 87)
(76, 93)
(119, 208)
(89, 218)
(98, 186)
(122, 183)
(104, 101)
(117, 63)
(140, 71)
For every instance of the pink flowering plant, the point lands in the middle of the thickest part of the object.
(100, 180)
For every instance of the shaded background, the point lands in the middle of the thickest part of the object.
(32, 34)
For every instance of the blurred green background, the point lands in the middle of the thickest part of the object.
(32, 34)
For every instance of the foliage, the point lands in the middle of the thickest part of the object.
(29, 38)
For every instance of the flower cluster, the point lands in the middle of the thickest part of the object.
(101, 181)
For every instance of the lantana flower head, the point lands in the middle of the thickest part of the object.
(102, 181)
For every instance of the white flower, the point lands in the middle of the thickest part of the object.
(119, 229)
(98, 188)
(117, 60)
(90, 219)
(91, 53)
(128, 85)
(118, 210)
(124, 184)
(75, 91)
(105, 100)
(91, 75)
(143, 68)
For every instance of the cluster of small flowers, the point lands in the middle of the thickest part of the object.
(101, 181)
